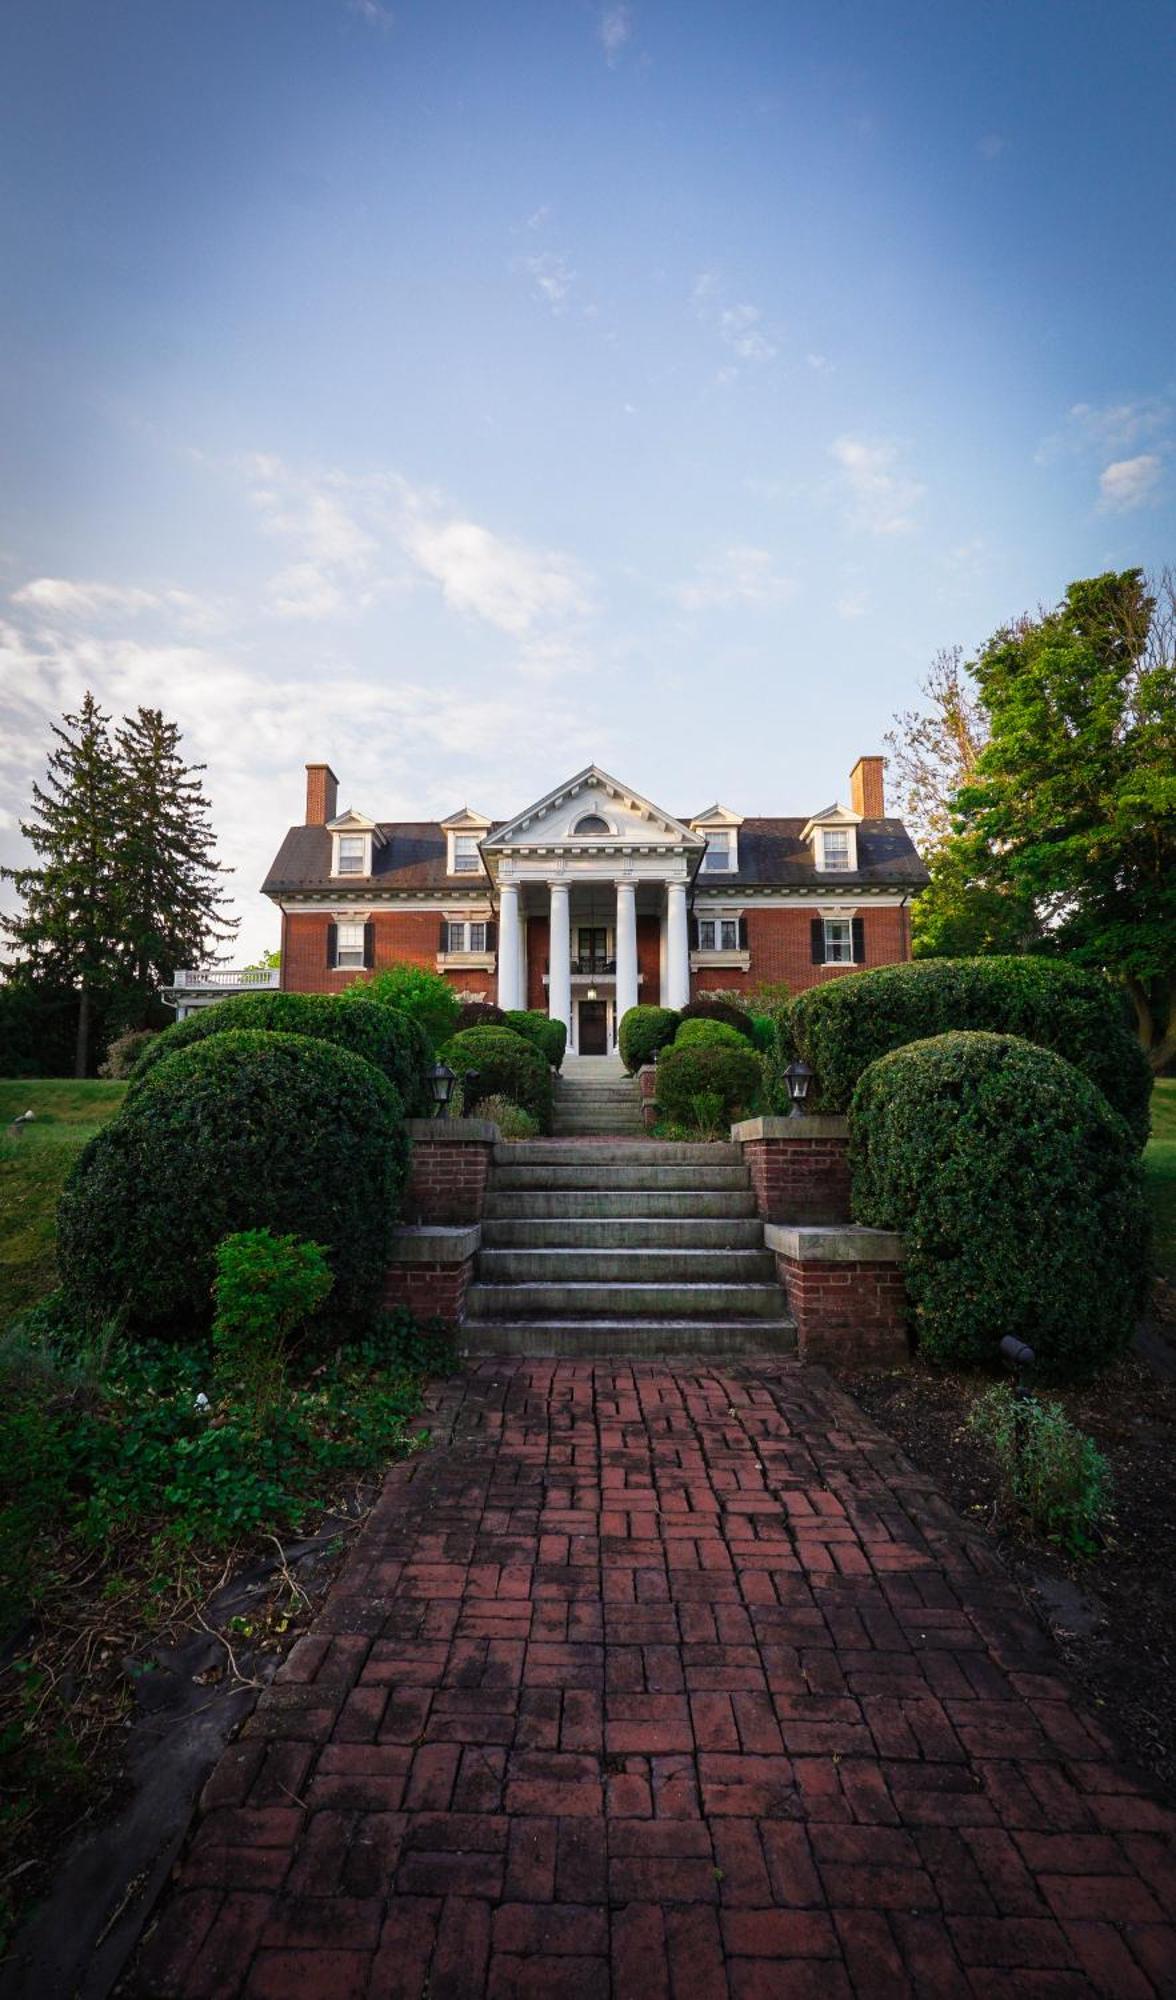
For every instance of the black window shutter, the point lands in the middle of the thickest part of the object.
(694, 933)
(743, 945)
(369, 946)
(444, 943)
(859, 940)
(332, 943)
(817, 934)
(492, 937)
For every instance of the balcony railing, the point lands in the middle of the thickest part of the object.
(589, 968)
(226, 975)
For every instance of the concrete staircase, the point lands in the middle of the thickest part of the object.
(595, 1097)
(643, 1248)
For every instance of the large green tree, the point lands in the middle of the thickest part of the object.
(1071, 806)
(68, 934)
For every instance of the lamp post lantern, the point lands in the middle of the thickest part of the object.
(798, 1076)
(441, 1082)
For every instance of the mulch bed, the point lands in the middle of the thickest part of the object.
(1112, 1615)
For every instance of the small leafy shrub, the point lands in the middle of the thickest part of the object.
(699, 1034)
(843, 1027)
(1051, 1474)
(392, 1041)
(426, 997)
(643, 1031)
(732, 1075)
(266, 1288)
(507, 1067)
(240, 1131)
(706, 1112)
(479, 1014)
(1019, 1195)
(777, 1060)
(512, 1121)
(712, 1008)
(548, 1036)
(401, 1343)
(763, 1032)
(124, 1052)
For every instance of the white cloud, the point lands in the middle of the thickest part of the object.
(373, 11)
(1107, 427)
(510, 586)
(615, 29)
(553, 279)
(1129, 482)
(882, 496)
(737, 575)
(65, 597)
(739, 326)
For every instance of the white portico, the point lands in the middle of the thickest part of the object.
(592, 862)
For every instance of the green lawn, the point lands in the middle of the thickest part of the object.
(33, 1167)
(1160, 1166)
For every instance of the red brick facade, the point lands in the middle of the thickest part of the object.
(852, 1312)
(780, 945)
(448, 1179)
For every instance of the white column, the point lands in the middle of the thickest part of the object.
(559, 978)
(509, 994)
(626, 949)
(523, 982)
(677, 947)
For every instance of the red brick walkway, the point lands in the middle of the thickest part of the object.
(668, 1682)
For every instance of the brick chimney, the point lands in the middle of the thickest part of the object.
(322, 794)
(866, 792)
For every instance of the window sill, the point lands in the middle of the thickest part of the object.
(465, 961)
(739, 961)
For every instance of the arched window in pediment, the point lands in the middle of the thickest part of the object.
(591, 823)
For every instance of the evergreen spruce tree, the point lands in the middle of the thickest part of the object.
(68, 934)
(169, 879)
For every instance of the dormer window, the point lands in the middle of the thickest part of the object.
(352, 854)
(717, 859)
(835, 854)
(466, 858)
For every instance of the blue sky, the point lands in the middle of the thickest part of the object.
(461, 392)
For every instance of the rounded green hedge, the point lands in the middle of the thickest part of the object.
(700, 1034)
(549, 1036)
(734, 1075)
(479, 1014)
(706, 1009)
(841, 1028)
(507, 1066)
(382, 1035)
(1018, 1192)
(239, 1131)
(643, 1031)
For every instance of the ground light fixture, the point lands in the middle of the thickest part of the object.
(441, 1082)
(798, 1076)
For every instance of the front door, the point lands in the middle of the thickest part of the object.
(593, 1028)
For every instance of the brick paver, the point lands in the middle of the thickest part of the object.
(672, 1682)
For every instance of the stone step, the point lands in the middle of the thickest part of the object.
(625, 1232)
(631, 1300)
(646, 1153)
(616, 1174)
(605, 1339)
(611, 1126)
(589, 1204)
(569, 1264)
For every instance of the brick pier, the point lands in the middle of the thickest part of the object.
(667, 1683)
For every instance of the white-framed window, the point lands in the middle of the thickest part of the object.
(466, 859)
(838, 941)
(836, 854)
(465, 936)
(349, 946)
(718, 857)
(718, 934)
(352, 854)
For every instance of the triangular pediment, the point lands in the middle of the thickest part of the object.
(466, 820)
(834, 815)
(355, 822)
(613, 812)
(717, 816)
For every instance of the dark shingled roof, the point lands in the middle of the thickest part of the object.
(771, 855)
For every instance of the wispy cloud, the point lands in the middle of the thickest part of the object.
(68, 597)
(512, 587)
(615, 29)
(1130, 483)
(737, 575)
(882, 496)
(372, 11)
(739, 325)
(552, 279)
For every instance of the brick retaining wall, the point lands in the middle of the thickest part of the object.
(799, 1167)
(450, 1168)
(845, 1291)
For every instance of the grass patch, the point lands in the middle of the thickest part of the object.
(1159, 1166)
(34, 1164)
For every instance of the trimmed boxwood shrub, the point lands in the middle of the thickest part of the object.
(507, 1066)
(1019, 1195)
(239, 1131)
(763, 1032)
(479, 1014)
(382, 1035)
(705, 1009)
(548, 1036)
(700, 1034)
(842, 1028)
(643, 1031)
(512, 1121)
(733, 1075)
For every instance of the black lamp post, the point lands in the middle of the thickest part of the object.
(798, 1076)
(441, 1082)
